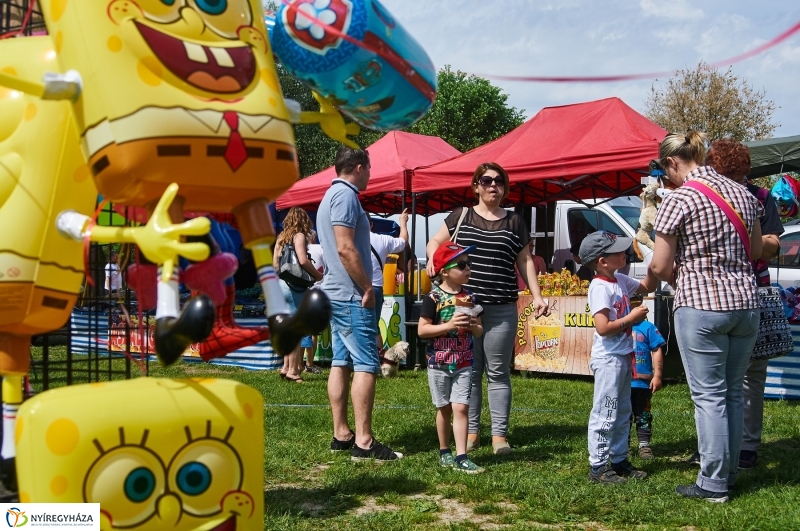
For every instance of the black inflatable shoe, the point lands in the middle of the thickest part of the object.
(175, 334)
(8, 474)
(312, 317)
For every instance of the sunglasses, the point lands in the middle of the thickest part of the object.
(462, 265)
(488, 180)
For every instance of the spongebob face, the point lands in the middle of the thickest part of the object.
(192, 462)
(180, 91)
(197, 42)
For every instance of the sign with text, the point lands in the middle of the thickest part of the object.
(47, 516)
(559, 343)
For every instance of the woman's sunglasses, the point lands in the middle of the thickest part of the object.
(488, 180)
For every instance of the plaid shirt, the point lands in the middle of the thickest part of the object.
(714, 272)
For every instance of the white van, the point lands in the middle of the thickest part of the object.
(572, 221)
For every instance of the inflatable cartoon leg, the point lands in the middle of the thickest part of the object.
(176, 330)
(12, 398)
(314, 313)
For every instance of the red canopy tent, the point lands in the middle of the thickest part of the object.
(393, 159)
(586, 150)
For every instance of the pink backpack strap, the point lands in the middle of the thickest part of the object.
(727, 209)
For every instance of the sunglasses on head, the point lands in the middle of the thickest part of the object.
(488, 180)
(462, 265)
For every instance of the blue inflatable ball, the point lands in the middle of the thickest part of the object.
(388, 83)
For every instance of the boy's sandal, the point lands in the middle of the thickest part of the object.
(294, 379)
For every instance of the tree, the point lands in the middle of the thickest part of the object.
(720, 104)
(468, 112)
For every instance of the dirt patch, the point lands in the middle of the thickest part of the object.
(313, 509)
(448, 511)
(316, 472)
(371, 506)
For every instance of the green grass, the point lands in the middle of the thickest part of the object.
(542, 485)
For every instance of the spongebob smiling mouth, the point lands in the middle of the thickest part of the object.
(215, 69)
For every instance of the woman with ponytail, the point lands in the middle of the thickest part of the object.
(707, 232)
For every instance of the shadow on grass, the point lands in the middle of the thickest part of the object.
(338, 498)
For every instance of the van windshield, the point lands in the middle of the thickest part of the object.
(629, 214)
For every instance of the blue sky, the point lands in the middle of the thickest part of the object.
(577, 38)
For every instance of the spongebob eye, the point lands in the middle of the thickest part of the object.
(140, 484)
(168, 2)
(212, 7)
(126, 481)
(222, 17)
(194, 478)
(204, 472)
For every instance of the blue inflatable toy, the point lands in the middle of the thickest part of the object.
(384, 81)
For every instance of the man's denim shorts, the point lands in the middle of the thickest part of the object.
(353, 331)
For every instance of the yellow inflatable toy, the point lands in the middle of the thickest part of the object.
(195, 462)
(153, 93)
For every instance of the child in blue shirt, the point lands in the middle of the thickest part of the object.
(648, 347)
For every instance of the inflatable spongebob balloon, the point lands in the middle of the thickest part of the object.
(180, 92)
(195, 462)
(40, 271)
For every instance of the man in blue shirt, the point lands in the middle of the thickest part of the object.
(343, 229)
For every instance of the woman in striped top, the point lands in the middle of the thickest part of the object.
(500, 239)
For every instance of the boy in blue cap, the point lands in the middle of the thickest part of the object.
(612, 355)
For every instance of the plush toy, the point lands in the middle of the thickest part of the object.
(647, 218)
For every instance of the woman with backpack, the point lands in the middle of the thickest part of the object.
(295, 227)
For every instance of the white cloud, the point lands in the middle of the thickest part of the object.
(674, 9)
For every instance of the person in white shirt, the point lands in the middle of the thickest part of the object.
(382, 246)
(315, 254)
(113, 274)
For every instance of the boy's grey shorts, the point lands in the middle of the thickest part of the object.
(450, 387)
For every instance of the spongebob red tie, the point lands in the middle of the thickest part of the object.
(235, 152)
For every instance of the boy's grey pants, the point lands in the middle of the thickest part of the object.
(610, 419)
(715, 348)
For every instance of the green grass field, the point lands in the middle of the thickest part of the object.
(543, 485)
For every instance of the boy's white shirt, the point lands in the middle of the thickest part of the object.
(604, 294)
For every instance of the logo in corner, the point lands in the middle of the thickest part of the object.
(16, 517)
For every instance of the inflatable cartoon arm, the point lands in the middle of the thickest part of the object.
(159, 240)
(52, 87)
(331, 122)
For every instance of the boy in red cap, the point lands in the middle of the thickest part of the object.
(450, 318)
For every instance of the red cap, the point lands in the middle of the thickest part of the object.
(447, 252)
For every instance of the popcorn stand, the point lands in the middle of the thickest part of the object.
(560, 343)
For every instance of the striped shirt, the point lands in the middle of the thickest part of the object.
(497, 243)
(714, 271)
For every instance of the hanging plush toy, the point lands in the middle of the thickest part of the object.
(647, 218)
